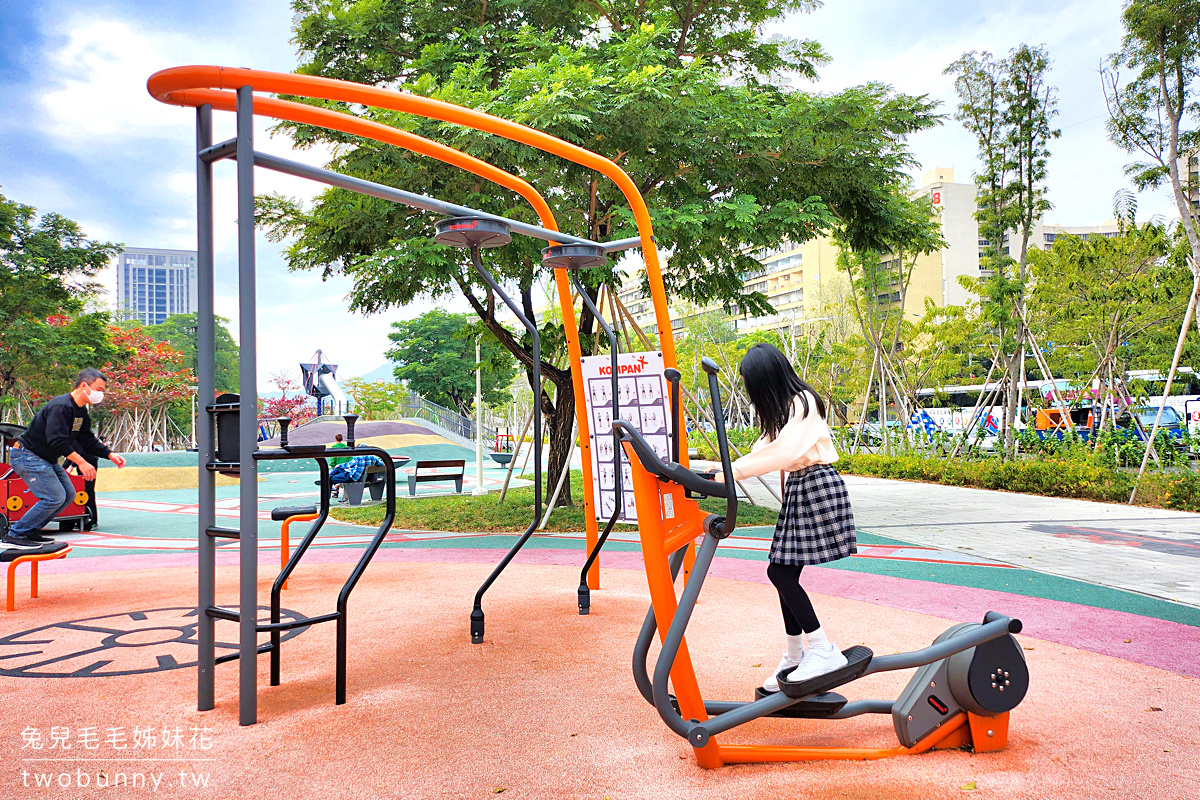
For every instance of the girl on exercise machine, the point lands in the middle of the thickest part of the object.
(816, 524)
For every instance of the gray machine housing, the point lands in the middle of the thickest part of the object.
(986, 680)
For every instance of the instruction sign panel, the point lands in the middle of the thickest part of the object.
(642, 401)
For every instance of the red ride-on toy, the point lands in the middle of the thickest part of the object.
(15, 497)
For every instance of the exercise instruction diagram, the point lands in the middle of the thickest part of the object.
(641, 401)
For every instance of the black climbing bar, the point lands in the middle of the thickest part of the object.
(673, 376)
(585, 596)
(477, 616)
(714, 390)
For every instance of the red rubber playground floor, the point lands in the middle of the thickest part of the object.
(99, 681)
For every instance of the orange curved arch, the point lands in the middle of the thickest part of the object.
(335, 120)
(166, 84)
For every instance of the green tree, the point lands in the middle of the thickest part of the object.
(880, 282)
(375, 399)
(47, 329)
(685, 98)
(1008, 105)
(179, 331)
(1154, 113)
(435, 356)
(1106, 301)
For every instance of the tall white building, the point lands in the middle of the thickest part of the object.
(153, 284)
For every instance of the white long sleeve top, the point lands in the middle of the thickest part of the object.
(805, 440)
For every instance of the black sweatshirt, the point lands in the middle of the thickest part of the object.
(61, 428)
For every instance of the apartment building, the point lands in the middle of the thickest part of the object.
(795, 276)
(153, 284)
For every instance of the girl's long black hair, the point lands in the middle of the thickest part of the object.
(772, 385)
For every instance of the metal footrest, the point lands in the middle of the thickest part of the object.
(223, 533)
(229, 614)
(816, 707)
(283, 512)
(262, 648)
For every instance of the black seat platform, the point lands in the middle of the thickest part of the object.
(858, 658)
(283, 512)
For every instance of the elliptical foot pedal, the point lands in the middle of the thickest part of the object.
(858, 658)
(817, 707)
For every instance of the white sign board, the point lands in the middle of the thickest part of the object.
(642, 401)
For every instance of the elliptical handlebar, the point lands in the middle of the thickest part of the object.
(731, 503)
(667, 470)
(673, 376)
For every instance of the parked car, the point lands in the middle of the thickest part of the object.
(1171, 422)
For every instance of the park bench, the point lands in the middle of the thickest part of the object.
(434, 471)
(373, 480)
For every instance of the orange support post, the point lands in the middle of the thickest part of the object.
(285, 544)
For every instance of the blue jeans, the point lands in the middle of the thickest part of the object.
(49, 484)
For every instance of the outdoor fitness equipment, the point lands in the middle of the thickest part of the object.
(208, 87)
(967, 682)
(476, 233)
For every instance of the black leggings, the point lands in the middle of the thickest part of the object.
(798, 613)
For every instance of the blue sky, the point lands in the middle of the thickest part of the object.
(79, 134)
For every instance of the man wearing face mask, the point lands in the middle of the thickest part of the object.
(61, 429)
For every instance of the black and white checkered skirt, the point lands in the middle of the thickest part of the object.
(816, 523)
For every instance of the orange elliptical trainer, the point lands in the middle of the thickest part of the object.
(966, 682)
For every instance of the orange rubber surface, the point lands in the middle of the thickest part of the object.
(547, 706)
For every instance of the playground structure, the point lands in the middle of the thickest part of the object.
(16, 499)
(670, 520)
(320, 381)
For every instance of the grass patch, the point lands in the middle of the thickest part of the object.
(462, 512)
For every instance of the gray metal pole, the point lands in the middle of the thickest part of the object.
(206, 377)
(247, 417)
(409, 199)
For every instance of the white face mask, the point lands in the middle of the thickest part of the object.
(95, 397)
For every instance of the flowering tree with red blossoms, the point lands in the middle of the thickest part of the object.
(297, 407)
(145, 380)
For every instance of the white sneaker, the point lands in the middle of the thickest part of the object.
(816, 662)
(771, 684)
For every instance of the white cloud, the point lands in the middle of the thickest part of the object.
(909, 45)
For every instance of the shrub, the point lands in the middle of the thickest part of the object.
(1050, 476)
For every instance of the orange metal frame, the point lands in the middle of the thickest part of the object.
(197, 86)
(194, 86)
(662, 535)
(285, 542)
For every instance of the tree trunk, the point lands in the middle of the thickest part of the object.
(559, 417)
(1012, 395)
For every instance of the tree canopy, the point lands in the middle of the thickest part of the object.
(692, 101)
(435, 357)
(179, 331)
(1108, 303)
(47, 330)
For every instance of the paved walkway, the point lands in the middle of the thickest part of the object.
(1150, 551)
(1147, 550)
